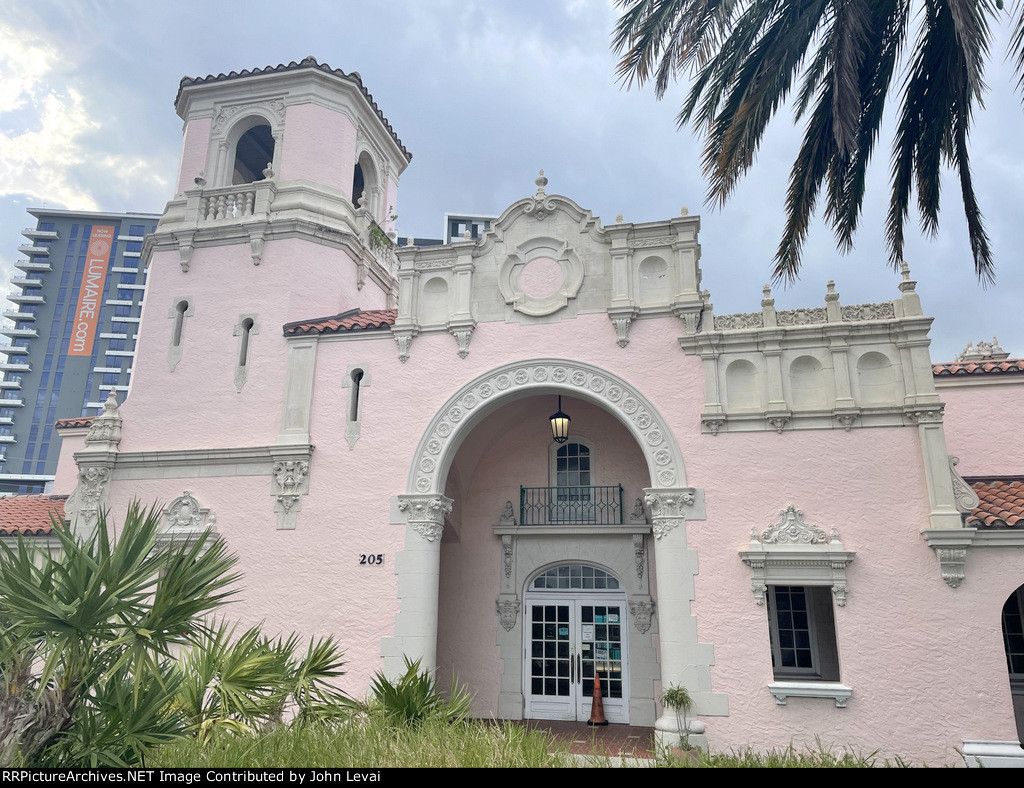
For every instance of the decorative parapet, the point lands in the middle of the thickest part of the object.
(794, 552)
(828, 367)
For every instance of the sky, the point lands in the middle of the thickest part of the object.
(484, 93)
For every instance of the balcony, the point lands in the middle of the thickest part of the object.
(12, 350)
(6, 402)
(10, 384)
(32, 232)
(8, 439)
(15, 366)
(33, 265)
(13, 314)
(570, 505)
(24, 281)
(26, 298)
(15, 333)
(33, 249)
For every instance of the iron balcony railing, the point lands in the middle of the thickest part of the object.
(568, 505)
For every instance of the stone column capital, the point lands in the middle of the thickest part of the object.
(430, 508)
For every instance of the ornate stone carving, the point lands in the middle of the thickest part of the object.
(641, 613)
(963, 493)
(743, 320)
(712, 423)
(508, 515)
(184, 255)
(105, 428)
(507, 609)
(462, 336)
(622, 325)
(846, 419)
(986, 351)
(184, 513)
(540, 206)
(639, 555)
(779, 421)
(614, 394)
(791, 529)
(506, 554)
(641, 243)
(668, 509)
(802, 317)
(638, 516)
(422, 265)
(289, 483)
(426, 513)
(951, 563)
(225, 114)
(430, 531)
(256, 247)
(883, 311)
(925, 414)
(404, 341)
(84, 504)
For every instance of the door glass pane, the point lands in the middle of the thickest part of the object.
(602, 649)
(549, 668)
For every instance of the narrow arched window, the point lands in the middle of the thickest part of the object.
(243, 343)
(358, 185)
(353, 396)
(179, 322)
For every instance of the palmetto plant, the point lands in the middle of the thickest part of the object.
(413, 697)
(241, 684)
(86, 638)
(840, 57)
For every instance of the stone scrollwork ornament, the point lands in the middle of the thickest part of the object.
(184, 513)
(791, 529)
(641, 613)
(507, 609)
(290, 483)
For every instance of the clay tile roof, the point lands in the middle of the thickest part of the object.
(1006, 366)
(1001, 504)
(74, 421)
(29, 515)
(306, 62)
(352, 320)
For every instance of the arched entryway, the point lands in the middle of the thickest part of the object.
(650, 533)
(1013, 644)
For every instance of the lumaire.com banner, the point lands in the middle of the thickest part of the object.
(87, 315)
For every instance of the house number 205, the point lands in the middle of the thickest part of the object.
(371, 559)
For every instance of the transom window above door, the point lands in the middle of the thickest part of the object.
(574, 576)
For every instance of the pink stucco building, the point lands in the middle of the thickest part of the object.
(763, 507)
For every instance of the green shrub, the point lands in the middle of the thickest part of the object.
(414, 697)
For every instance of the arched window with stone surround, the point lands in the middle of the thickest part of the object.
(253, 153)
(366, 182)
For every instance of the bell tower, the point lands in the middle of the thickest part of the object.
(282, 211)
(280, 160)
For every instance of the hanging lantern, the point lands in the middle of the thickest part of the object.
(560, 424)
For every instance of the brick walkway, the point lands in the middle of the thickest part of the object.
(625, 740)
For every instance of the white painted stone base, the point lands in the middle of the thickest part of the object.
(993, 754)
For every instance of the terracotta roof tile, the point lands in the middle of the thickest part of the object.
(352, 320)
(1001, 504)
(306, 62)
(29, 515)
(1006, 366)
(74, 421)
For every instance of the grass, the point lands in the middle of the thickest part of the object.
(372, 741)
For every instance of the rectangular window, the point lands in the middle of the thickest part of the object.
(802, 630)
(136, 229)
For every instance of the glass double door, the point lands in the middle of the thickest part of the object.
(569, 642)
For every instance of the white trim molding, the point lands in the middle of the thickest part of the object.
(783, 690)
(993, 754)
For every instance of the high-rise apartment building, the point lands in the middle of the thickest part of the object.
(75, 317)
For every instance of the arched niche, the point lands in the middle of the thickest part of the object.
(434, 306)
(653, 275)
(743, 386)
(366, 182)
(809, 389)
(875, 379)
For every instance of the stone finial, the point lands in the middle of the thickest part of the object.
(467, 236)
(767, 300)
(618, 218)
(268, 171)
(985, 351)
(362, 202)
(105, 428)
(410, 241)
(907, 284)
(541, 182)
(830, 291)
(684, 211)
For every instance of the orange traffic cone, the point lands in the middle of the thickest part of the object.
(597, 708)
